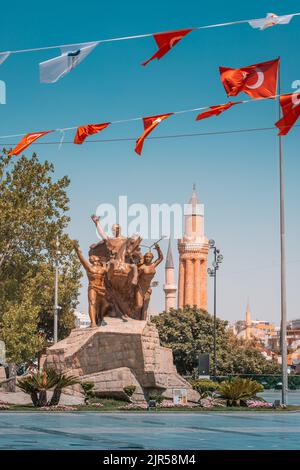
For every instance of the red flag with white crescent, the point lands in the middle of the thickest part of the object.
(150, 123)
(215, 110)
(257, 81)
(165, 42)
(89, 129)
(26, 141)
(290, 105)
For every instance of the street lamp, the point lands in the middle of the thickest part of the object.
(212, 272)
(56, 306)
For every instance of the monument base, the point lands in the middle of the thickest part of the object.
(116, 355)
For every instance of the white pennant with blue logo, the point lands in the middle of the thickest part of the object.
(54, 69)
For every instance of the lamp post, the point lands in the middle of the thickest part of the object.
(212, 272)
(56, 306)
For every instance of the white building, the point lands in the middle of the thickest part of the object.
(82, 320)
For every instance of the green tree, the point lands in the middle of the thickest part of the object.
(33, 212)
(19, 331)
(189, 331)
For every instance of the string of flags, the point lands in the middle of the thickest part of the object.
(73, 54)
(259, 81)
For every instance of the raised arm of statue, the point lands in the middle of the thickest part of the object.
(82, 259)
(159, 254)
(99, 228)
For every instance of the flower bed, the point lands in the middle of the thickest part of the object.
(170, 404)
(211, 402)
(4, 406)
(163, 405)
(258, 404)
(95, 405)
(58, 408)
(134, 406)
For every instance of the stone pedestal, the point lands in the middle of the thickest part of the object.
(117, 355)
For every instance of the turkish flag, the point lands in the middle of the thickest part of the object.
(26, 141)
(89, 129)
(215, 110)
(150, 123)
(290, 105)
(165, 42)
(257, 81)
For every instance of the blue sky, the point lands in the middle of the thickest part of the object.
(236, 175)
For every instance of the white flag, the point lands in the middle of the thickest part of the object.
(3, 56)
(54, 69)
(270, 20)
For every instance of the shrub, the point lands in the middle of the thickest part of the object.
(239, 390)
(88, 391)
(205, 387)
(129, 390)
(36, 385)
(156, 396)
(294, 382)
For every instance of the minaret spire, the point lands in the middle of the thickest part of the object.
(170, 287)
(169, 259)
(248, 322)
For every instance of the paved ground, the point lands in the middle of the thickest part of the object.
(271, 395)
(235, 430)
(21, 398)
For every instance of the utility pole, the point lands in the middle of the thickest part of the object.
(218, 258)
(56, 307)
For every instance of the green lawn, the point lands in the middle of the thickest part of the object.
(112, 405)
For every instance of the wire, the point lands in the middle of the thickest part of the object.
(138, 36)
(63, 129)
(172, 136)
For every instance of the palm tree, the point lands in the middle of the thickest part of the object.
(237, 390)
(36, 385)
(62, 382)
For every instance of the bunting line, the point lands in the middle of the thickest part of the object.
(121, 121)
(170, 136)
(138, 36)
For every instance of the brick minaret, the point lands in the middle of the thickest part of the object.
(170, 287)
(193, 251)
(248, 323)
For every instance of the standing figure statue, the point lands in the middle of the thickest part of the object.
(122, 271)
(96, 272)
(146, 272)
(115, 245)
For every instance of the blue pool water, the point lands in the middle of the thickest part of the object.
(149, 431)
